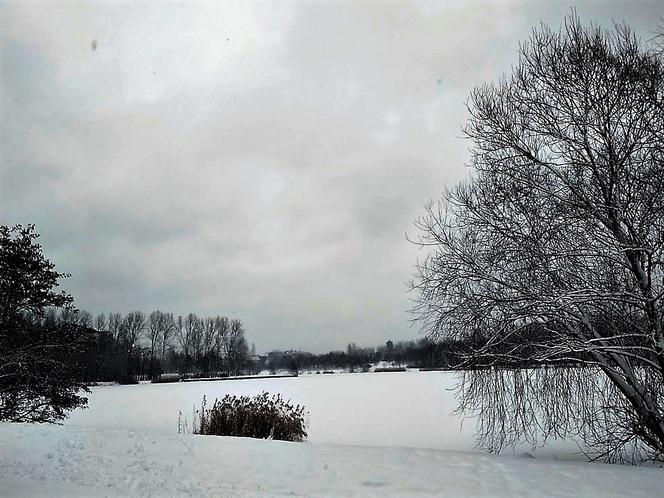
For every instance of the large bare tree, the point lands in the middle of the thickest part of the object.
(167, 332)
(155, 325)
(101, 324)
(131, 329)
(235, 347)
(114, 325)
(222, 329)
(551, 255)
(189, 335)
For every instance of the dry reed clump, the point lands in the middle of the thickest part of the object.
(261, 416)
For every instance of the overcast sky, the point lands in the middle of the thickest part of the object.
(257, 160)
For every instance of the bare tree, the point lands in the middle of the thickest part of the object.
(68, 316)
(100, 323)
(131, 329)
(236, 348)
(221, 331)
(182, 338)
(552, 254)
(208, 335)
(114, 325)
(222, 328)
(196, 337)
(208, 342)
(187, 332)
(167, 331)
(154, 327)
(84, 319)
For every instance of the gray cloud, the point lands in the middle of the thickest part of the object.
(258, 160)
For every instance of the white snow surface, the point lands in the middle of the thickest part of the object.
(390, 434)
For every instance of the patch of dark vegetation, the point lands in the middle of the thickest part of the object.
(126, 379)
(204, 376)
(261, 416)
(389, 369)
(165, 378)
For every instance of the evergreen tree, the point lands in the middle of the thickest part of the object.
(41, 358)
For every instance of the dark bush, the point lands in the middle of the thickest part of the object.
(165, 378)
(262, 416)
(389, 369)
(126, 379)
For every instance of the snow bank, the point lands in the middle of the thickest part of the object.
(75, 461)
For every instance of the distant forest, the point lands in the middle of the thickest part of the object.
(423, 353)
(138, 346)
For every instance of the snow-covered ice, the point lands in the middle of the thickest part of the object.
(370, 435)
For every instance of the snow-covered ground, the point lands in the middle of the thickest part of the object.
(388, 434)
(368, 409)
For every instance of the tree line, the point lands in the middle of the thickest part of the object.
(423, 353)
(136, 346)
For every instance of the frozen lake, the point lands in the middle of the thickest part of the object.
(410, 409)
(367, 409)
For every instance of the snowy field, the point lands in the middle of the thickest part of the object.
(390, 434)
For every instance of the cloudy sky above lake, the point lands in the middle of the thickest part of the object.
(256, 160)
